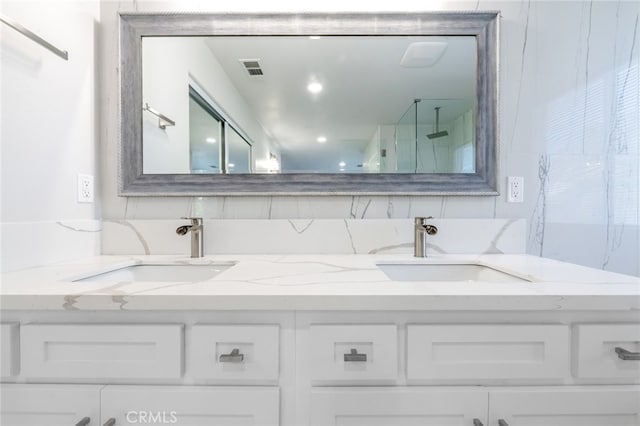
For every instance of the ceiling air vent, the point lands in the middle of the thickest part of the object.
(252, 66)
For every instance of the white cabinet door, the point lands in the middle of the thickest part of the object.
(49, 405)
(397, 407)
(191, 405)
(597, 406)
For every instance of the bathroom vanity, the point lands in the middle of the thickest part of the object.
(359, 332)
(321, 340)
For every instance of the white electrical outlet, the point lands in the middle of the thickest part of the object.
(515, 189)
(85, 188)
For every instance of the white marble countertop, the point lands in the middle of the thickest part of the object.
(320, 282)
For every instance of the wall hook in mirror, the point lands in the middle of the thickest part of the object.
(163, 120)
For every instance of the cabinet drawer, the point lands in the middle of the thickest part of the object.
(468, 353)
(234, 353)
(101, 351)
(353, 353)
(595, 355)
(10, 349)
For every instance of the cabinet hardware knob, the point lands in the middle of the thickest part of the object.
(110, 422)
(502, 422)
(234, 356)
(477, 422)
(627, 355)
(354, 356)
(84, 422)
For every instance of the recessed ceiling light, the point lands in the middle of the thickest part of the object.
(342, 164)
(314, 37)
(211, 140)
(314, 87)
(321, 139)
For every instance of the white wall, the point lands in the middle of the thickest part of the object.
(569, 97)
(50, 122)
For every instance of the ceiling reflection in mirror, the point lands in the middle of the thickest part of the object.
(300, 104)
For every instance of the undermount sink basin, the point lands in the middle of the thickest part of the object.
(445, 272)
(161, 273)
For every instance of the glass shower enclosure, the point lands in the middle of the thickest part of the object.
(436, 136)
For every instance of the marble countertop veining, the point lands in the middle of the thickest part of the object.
(320, 282)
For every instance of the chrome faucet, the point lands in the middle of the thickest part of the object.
(197, 241)
(420, 230)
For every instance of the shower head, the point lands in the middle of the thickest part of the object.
(437, 133)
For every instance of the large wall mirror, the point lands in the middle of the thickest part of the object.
(238, 104)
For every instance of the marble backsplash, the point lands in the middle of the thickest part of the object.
(33, 244)
(29, 244)
(569, 84)
(317, 236)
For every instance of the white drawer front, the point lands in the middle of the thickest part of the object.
(595, 354)
(353, 353)
(234, 352)
(10, 349)
(102, 351)
(467, 353)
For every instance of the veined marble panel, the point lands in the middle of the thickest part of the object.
(318, 236)
(29, 244)
(619, 255)
(569, 124)
(322, 282)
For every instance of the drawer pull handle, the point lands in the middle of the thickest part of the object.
(627, 355)
(354, 356)
(110, 422)
(477, 422)
(502, 422)
(234, 356)
(84, 422)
